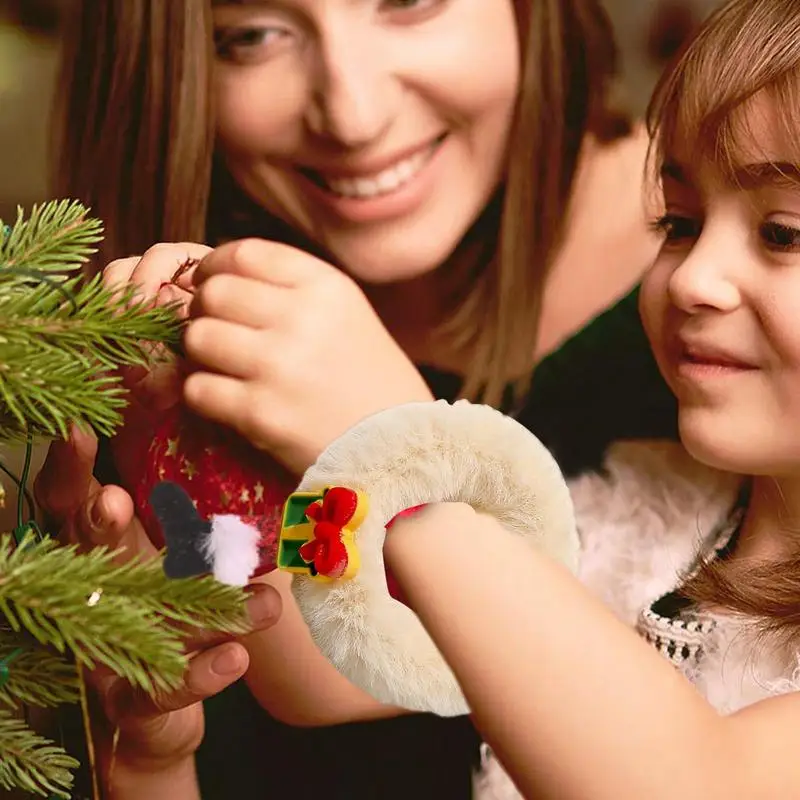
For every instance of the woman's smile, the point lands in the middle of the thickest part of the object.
(363, 195)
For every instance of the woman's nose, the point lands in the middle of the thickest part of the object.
(354, 96)
(705, 279)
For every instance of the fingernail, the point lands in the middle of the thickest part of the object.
(228, 662)
(408, 512)
(262, 605)
(96, 513)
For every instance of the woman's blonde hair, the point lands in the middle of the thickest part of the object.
(135, 140)
(748, 48)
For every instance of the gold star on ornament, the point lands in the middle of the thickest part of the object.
(259, 487)
(245, 496)
(172, 446)
(188, 469)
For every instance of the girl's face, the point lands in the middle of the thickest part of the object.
(378, 128)
(721, 305)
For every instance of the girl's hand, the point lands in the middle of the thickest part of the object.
(290, 352)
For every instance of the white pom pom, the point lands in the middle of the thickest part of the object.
(232, 549)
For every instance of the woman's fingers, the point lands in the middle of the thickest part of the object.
(66, 479)
(263, 610)
(209, 672)
(161, 264)
(226, 347)
(169, 725)
(108, 520)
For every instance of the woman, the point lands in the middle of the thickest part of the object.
(420, 159)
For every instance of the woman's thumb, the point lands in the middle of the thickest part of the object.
(66, 479)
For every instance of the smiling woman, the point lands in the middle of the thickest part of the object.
(305, 101)
(385, 167)
(405, 174)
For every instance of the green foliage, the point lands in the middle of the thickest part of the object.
(62, 338)
(56, 237)
(121, 616)
(34, 675)
(32, 763)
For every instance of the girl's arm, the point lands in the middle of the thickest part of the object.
(294, 682)
(575, 704)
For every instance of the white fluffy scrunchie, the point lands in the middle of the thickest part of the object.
(403, 457)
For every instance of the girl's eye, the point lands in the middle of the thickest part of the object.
(778, 236)
(676, 228)
(246, 44)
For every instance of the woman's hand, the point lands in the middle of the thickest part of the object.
(157, 735)
(162, 275)
(289, 351)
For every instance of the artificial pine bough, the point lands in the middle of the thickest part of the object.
(62, 339)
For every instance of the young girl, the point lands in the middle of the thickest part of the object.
(701, 699)
(420, 171)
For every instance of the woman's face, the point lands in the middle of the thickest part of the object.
(378, 128)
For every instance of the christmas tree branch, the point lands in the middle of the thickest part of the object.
(79, 317)
(128, 620)
(35, 675)
(45, 400)
(56, 237)
(61, 337)
(31, 762)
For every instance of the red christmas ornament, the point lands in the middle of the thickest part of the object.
(219, 470)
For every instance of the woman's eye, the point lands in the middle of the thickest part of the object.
(417, 6)
(676, 228)
(245, 44)
(409, 3)
(778, 236)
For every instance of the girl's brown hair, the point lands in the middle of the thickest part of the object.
(747, 48)
(135, 139)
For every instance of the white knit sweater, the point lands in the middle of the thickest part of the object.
(643, 526)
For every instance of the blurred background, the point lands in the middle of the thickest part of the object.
(648, 33)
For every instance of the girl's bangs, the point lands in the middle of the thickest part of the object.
(700, 111)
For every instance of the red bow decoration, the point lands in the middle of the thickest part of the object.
(328, 552)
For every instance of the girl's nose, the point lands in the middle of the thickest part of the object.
(705, 280)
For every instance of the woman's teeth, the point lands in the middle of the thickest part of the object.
(383, 182)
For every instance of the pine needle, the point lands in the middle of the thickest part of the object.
(31, 762)
(126, 620)
(61, 337)
(37, 676)
(56, 237)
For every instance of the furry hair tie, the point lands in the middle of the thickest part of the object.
(334, 524)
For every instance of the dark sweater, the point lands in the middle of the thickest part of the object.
(599, 387)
